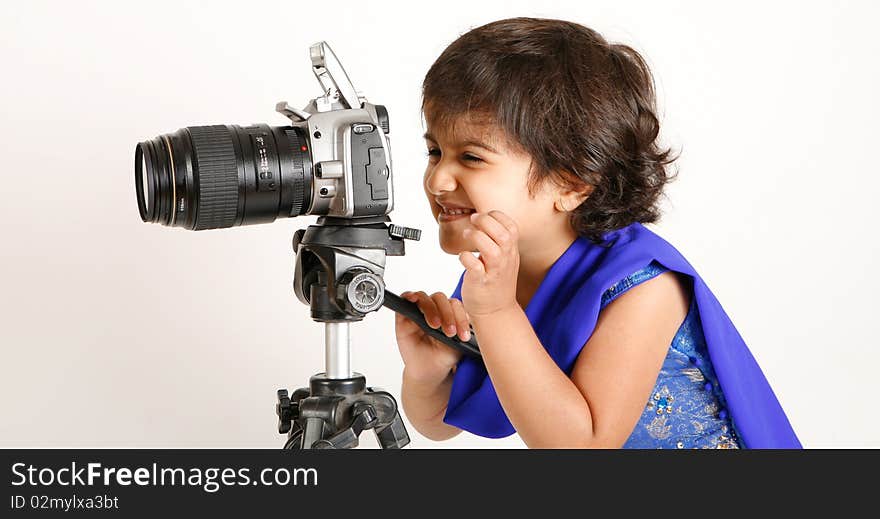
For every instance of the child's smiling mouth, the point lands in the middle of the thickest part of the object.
(450, 212)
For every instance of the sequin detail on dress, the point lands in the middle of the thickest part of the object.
(686, 409)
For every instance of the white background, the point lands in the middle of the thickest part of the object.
(115, 333)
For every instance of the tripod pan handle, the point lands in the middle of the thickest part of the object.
(411, 311)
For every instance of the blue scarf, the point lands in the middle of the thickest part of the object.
(564, 310)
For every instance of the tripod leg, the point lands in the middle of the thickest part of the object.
(312, 432)
(317, 415)
(390, 431)
(364, 418)
(393, 435)
(294, 442)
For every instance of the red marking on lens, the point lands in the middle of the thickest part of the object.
(303, 148)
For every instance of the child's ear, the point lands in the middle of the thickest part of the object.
(570, 199)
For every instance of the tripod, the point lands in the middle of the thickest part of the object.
(339, 267)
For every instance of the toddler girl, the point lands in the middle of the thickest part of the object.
(594, 331)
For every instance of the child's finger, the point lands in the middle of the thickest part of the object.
(409, 296)
(461, 318)
(489, 250)
(493, 228)
(471, 263)
(429, 309)
(447, 316)
(509, 225)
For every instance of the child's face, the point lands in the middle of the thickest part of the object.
(463, 171)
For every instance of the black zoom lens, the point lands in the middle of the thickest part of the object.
(211, 177)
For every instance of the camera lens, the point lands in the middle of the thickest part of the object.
(212, 177)
(143, 189)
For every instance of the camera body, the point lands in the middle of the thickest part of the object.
(333, 160)
(352, 162)
(349, 144)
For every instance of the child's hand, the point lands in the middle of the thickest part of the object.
(489, 284)
(426, 358)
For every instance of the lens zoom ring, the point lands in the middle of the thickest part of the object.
(218, 176)
(296, 144)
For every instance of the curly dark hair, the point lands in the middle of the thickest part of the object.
(582, 108)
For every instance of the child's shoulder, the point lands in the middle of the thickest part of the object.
(652, 304)
(650, 271)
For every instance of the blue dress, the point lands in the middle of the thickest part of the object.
(564, 312)
(686, 409)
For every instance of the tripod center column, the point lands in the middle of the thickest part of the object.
(337, 350)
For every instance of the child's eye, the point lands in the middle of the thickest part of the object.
(434, 152)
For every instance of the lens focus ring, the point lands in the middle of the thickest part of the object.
(298, 172)
(217, 176)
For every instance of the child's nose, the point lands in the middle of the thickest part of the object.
(440, 179)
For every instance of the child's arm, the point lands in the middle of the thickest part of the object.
(600, 404)
(424, 403)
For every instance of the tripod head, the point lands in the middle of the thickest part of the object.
(340, 263)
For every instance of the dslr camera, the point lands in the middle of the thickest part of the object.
(334, 159)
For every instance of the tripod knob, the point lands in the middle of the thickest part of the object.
(297, 239)
(285, 411)
(404, 233)
(360, 292)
